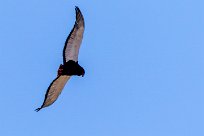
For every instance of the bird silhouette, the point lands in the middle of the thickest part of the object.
(70, 64)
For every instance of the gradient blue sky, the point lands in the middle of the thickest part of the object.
(144, 63)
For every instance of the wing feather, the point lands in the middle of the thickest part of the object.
(54, 90)
(73, 41)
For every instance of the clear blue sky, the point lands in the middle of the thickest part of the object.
(144, 63)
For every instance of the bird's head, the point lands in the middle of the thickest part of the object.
(60, 70)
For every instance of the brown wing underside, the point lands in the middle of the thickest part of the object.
(73, 41)
(54, 90)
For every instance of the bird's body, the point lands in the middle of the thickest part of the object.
(70, 66)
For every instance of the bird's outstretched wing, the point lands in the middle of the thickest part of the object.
(73, 41)
(54, 90)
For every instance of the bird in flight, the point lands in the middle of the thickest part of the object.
(70, 64)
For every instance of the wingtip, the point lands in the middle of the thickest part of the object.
(77, 9)
(38, 109)
(79, 16)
